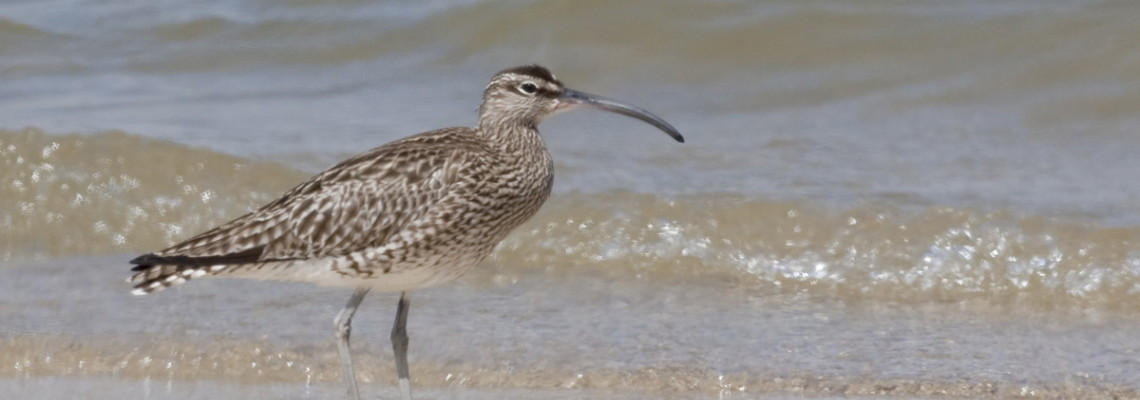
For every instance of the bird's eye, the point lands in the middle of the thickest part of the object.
(528, 88)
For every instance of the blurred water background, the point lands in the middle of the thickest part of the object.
(916, 199)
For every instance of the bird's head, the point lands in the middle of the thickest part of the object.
(528, 94)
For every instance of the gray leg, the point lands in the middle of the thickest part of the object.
(343, 330)
(400, 345)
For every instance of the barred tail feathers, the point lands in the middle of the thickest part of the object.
(155, 278)
(150, 278)
(157, 272)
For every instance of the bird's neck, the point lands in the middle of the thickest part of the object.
(513, 138)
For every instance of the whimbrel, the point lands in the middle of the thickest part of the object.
(412, 213)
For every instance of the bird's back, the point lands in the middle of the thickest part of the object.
(412, 213)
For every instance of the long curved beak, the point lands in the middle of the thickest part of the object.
(574, 97)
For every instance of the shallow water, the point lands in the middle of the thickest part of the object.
(875, 198)
(693, 339)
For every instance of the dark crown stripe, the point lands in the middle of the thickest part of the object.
(534, 70)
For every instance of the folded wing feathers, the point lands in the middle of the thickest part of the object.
(358, 203)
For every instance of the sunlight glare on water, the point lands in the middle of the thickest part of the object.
(919, 200)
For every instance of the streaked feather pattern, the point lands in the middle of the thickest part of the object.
(444, 196)
(409, 214)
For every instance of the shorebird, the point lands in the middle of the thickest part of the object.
(413, 213)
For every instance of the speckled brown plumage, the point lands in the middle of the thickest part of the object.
(413, 213)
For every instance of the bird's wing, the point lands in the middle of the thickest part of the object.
(354, 205)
